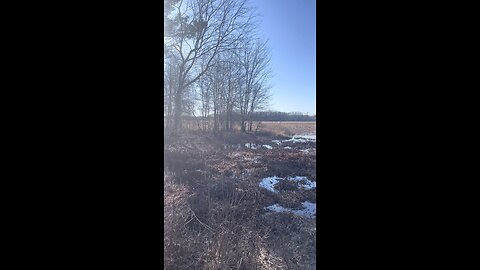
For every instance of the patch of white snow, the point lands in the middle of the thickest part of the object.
(251, 145)
(308, 184)
(309, 209)
(278, 142)
(269, 182)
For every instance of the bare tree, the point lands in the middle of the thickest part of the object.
(204, 89)
(260, 99)
(202, 30)
(169, 89)
(255, 60)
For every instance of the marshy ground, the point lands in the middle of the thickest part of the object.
(219, 215)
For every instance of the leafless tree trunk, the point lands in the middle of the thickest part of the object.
(255, 61)
(205, 28)
(169, 92)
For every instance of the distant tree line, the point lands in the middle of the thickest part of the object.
(216, 67)
(266, 116)
(282, 116)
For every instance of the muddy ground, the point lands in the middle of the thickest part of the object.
(214, 208)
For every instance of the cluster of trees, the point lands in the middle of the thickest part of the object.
(282, 116)
(266, 116)
(215, 65)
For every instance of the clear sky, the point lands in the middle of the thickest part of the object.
(289, 27)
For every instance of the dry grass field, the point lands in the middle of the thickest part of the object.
(239, 200)
(288, 128)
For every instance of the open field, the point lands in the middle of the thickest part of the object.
(288, 128)
(276, 128)
(241, 201)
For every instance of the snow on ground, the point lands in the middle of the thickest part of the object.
(298, 139)
(311, 137)
(269, 182)
(309, 209)
(251, 145)
(302, 182)
(302, 138)
(254, 146)
(308, 184)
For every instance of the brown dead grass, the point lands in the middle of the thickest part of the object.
(214, 215)
(288, 128)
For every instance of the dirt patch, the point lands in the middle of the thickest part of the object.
(286, 185)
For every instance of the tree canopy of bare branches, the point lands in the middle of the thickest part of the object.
(214, 63)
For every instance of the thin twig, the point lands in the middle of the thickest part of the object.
(240, 263)
(188, 222)
(201, 221)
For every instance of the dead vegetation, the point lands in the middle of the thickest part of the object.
(289, 128)
(214, 210)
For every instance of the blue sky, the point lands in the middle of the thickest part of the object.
(289, 26)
